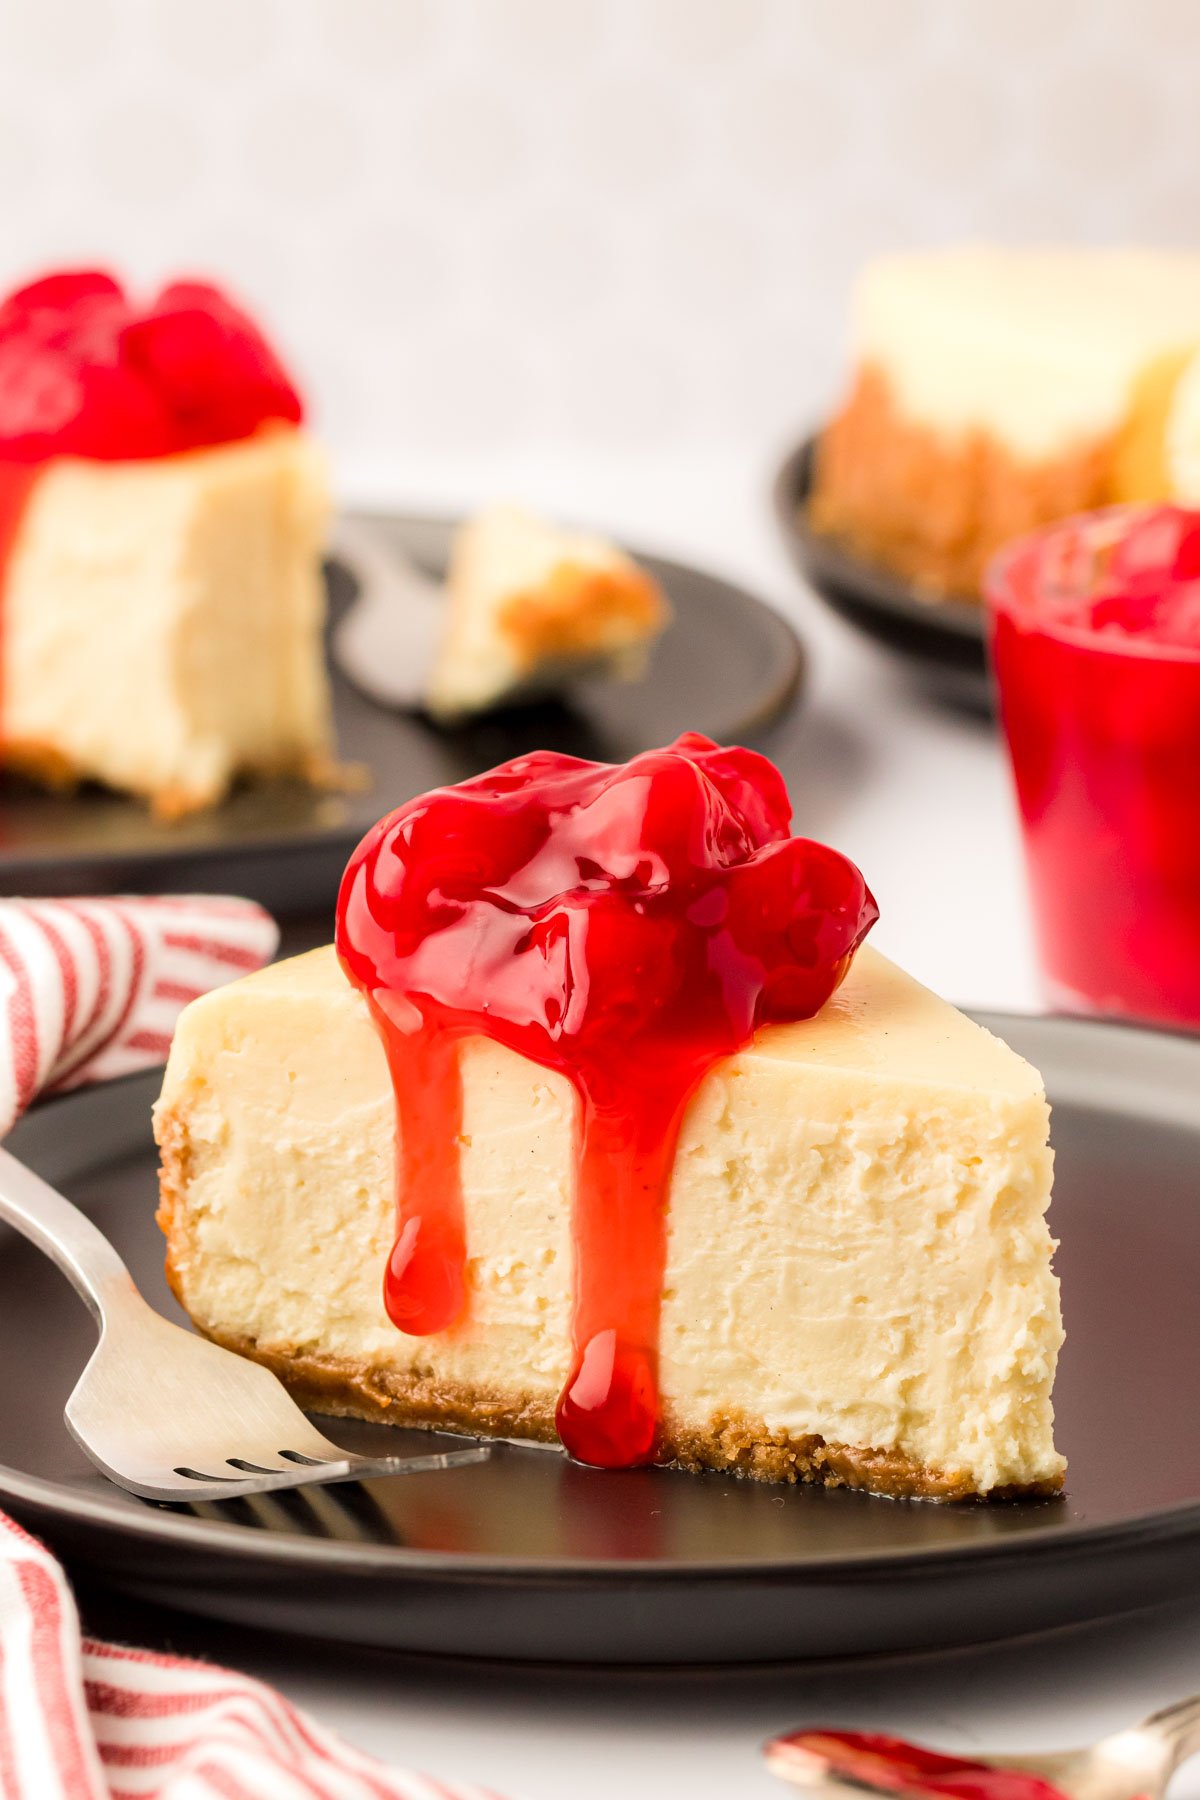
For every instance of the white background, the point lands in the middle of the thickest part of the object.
(517, 229)
(595, 254)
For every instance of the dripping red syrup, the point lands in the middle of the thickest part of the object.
(85, 372)
(880, 1764)
(625, 926)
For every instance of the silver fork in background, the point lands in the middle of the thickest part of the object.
(387, 642)
(163, 1412)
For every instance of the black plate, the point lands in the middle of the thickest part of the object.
(942, 638)
(728, 665)
(533, 1557)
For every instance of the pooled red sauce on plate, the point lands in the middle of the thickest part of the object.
(625, 926)
(870, 1760)
(85, 371)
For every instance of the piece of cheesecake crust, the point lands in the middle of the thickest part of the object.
(858, 1287)
(529, 606)
(163, 622)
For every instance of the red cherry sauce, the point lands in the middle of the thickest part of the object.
(626, 927)
(1096, 649)
(84, 371)
(881, 1764)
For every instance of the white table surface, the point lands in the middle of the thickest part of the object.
(919, 798)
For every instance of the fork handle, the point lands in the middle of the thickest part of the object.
(67, 1236)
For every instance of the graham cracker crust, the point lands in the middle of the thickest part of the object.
(576, 612)
(731, 1444)
(932, 509)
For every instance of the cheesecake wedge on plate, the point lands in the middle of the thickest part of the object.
(530, 607)
(162, 516)
(995, 389)
(526, 610)
(599, 1124)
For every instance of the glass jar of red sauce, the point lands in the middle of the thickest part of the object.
(1095, 642)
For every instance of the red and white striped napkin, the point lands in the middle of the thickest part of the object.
(86, 1721)
(90, 989)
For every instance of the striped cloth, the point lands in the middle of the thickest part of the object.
(86, 1721)
(90, 989)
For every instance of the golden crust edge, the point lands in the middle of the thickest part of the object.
(732, 1443)
(50, 767)
(933, 509)
(575, 610)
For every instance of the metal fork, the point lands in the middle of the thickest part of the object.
(387, 641)
(164, 1413)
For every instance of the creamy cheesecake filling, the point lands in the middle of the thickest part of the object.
(204, 569)
(1041, 349)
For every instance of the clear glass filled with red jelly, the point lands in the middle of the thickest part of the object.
(1095, 638)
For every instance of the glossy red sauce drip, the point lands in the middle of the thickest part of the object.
(626, 927)
(891, 1765)
(16, 485)
(86, 372)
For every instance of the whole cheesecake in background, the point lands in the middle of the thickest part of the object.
(531, 607)
(995, 390)
(598, 1123)
(162, 515)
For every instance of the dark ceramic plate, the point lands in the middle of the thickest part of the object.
(728, 665)
(941, 638)
(532, 1557)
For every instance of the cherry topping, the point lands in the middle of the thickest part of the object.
(627, 927)
(84, 371)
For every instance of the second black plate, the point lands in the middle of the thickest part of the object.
(529, 1556)
(942, 638)
(727, 665)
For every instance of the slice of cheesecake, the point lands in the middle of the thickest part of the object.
(162, 621)
(996, 389)
(530, 607)
(858, 1284)
(162, 515)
